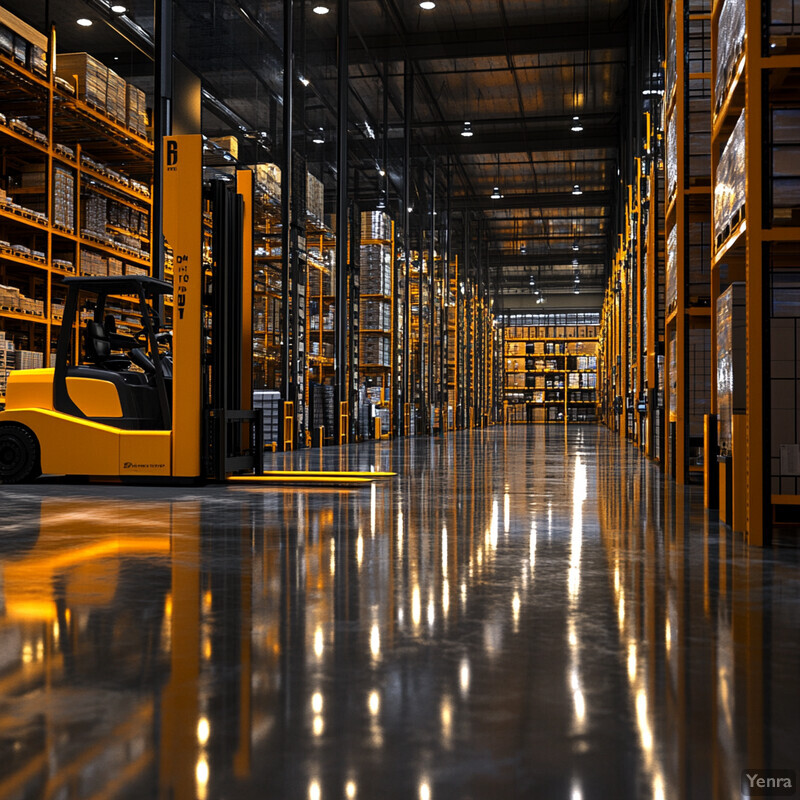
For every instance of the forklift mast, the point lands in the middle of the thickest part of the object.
(215, 430)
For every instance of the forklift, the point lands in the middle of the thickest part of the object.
(156, 404)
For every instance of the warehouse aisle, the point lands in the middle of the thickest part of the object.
(523, 612)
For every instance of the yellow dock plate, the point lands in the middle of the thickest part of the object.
(290, 478)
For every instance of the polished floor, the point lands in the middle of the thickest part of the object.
(524, 612)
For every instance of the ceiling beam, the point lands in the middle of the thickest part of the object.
(561, 37)
(605, 138)
(496, 261)
(535, 200)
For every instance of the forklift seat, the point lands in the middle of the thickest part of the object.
(98, 349)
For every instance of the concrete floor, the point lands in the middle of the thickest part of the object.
(525, 612)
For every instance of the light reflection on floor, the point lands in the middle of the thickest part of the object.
(520, 613)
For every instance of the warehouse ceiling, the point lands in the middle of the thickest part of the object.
(518, 71)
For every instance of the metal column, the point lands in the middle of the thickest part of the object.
(340, 313)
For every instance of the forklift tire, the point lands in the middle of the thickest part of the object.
(19, 454)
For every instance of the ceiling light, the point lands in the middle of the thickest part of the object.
(410, 209)
(496, 193)
(576, 189)
(382, 173)
(320, 9)
(536, 291)
(319, 138)
(427, 5)
(577, 126)
(304, 81)
(467, 130)
(118, 9)
(84, 23)
(577, 290)
(576, 247)
(381, 203)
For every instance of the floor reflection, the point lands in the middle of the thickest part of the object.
(522, 612)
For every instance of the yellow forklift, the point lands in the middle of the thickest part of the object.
(156, 404)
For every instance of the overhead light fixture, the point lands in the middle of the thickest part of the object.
(577, 126)
(410, 209)
(576, 247)
(576, 189)
(305, 81)
(577, 290)
(427, 5)
(496, 193)
(84, 23)
(467, 132)
(319, 138)
(536, 291)
(320, 9)
(381, 203)
(382, 172)
(118, 9)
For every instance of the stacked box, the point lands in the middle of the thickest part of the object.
(94, 213)
(730, 43)
(92, 76)
(6, 41)
(671, 54)
(376, 270)
(268, 178)
(135, 109)
(731, 361)
(63, 198)
(376, 350)
(672, 156)
(672, 267)
(9, 298)
(375, 225)
(6, 360)
(315, 199)
(116, 97)
(131, 269)
(731, 185)
(376, 315)
(38, 60)
(93, 263)
(228, 144)
(29, 359)
(270, 405)
(114, 266)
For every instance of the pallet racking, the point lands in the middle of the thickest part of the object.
(76, 191)
(756, 218)
(551, 373)
(687, 111)
(377, 314)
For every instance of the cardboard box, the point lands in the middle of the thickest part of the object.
(229, 144)
(135, 109)
(116, 97)
(90, 74)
